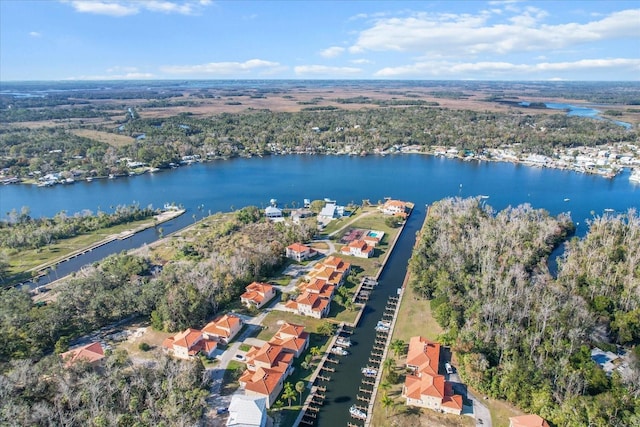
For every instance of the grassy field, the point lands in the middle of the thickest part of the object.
(112, 139)
(41, 258)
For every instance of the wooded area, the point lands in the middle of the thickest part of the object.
(520, 334)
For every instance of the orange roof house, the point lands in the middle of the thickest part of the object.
(90, 353)
(263, 382)
(189, 343)
(425, 387)
(310, 304)
(269, 365)
(257, 294)
(333, 270)
(223, 328)
(299, 252)
(528, 421)
(358, 248)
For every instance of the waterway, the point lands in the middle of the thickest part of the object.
(582, 111)
(226, 185)
(343, 387)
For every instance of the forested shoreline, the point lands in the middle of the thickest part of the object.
(518, 333)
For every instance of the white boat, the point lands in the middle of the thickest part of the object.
(635, 176)
(384, 323)
(357, 413)
(343, 342)
(339, 351)
(369, 372)
(567, 199)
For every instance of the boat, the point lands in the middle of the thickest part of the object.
(635, 176)
(383, 326)
(567, 199)
(357, 413)
(339, 351)
(343, 342)
(484, 197)
(609, 210)
(369, 372)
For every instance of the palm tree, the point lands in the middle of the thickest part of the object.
(398, 347)
(387, 403)
(288, 393)
(315, 351)
(388, 364)
(300, 388)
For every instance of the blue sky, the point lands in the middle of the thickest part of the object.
(209, 39)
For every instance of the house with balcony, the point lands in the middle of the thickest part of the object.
(223, 329)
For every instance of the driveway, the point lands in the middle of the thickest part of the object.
(480, 411)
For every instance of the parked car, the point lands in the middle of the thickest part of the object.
(240, 357)
(221, 411)
(448, 368)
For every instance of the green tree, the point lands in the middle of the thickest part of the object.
(300, 388)
(387, 403)
(398, 347)
(315, 351)
(288, 393)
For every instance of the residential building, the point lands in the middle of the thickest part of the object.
(269, 365)
(247, 411)
(333, 270)
(299, 252)
(273, 213)
(424, 387)
(328, 212)
(300, 214)
(257, 294)
(528, 421)
(358, 248)
(223, 329)
(189, 343)
(90, 353)
(395, 207)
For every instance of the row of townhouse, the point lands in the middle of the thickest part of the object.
(269, 365)
(317, 292)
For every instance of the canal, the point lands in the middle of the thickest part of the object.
(345, 381)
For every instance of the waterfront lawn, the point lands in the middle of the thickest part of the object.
(414, 318)
(274, 319)
(39, 259)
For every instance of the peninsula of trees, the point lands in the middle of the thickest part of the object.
(521, 334)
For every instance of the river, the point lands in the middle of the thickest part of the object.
(225, 185)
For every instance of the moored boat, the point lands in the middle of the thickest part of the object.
(357, 413)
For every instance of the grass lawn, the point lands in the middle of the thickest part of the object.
(231, 376)
(414, 318)
(273, 320)
(43, 257)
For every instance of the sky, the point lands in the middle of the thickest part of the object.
(317, 39)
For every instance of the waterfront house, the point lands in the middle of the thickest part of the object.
(90, 353)
(257, 294)
(189, 343)
(299, 252)
(269, 365)
(395, 207)
(424, 387)
(358, 248)
(328, 212)
(223, 329)
(299, 214)
(309, 304)
(247, 411)
(333, 270)
(273, 213)
(528, 421)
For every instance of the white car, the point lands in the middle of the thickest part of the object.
(448, 368)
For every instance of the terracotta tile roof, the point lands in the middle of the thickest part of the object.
(187, 338)
(395, 203)
(454, 401)
(257, 291)
(89, 353)
(298, 247)
(528, 421)
(222, 326)
(262, 381)
(424, 354)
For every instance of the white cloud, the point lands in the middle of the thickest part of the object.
(361, 61)
(132, 7)
(497, 69)
(224, 68)
(35, 34)
(466, 34)
(326, 70)
(332, 52)
(127, 76)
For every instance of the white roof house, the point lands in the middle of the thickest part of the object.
(247, 411)
(273, 212)
(328, 212)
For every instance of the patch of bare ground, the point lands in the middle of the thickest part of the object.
(408, 416)
(112, 139)
(142, 333)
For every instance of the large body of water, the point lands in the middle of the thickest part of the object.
(226, 185)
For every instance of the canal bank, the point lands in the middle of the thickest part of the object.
(342, 391)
